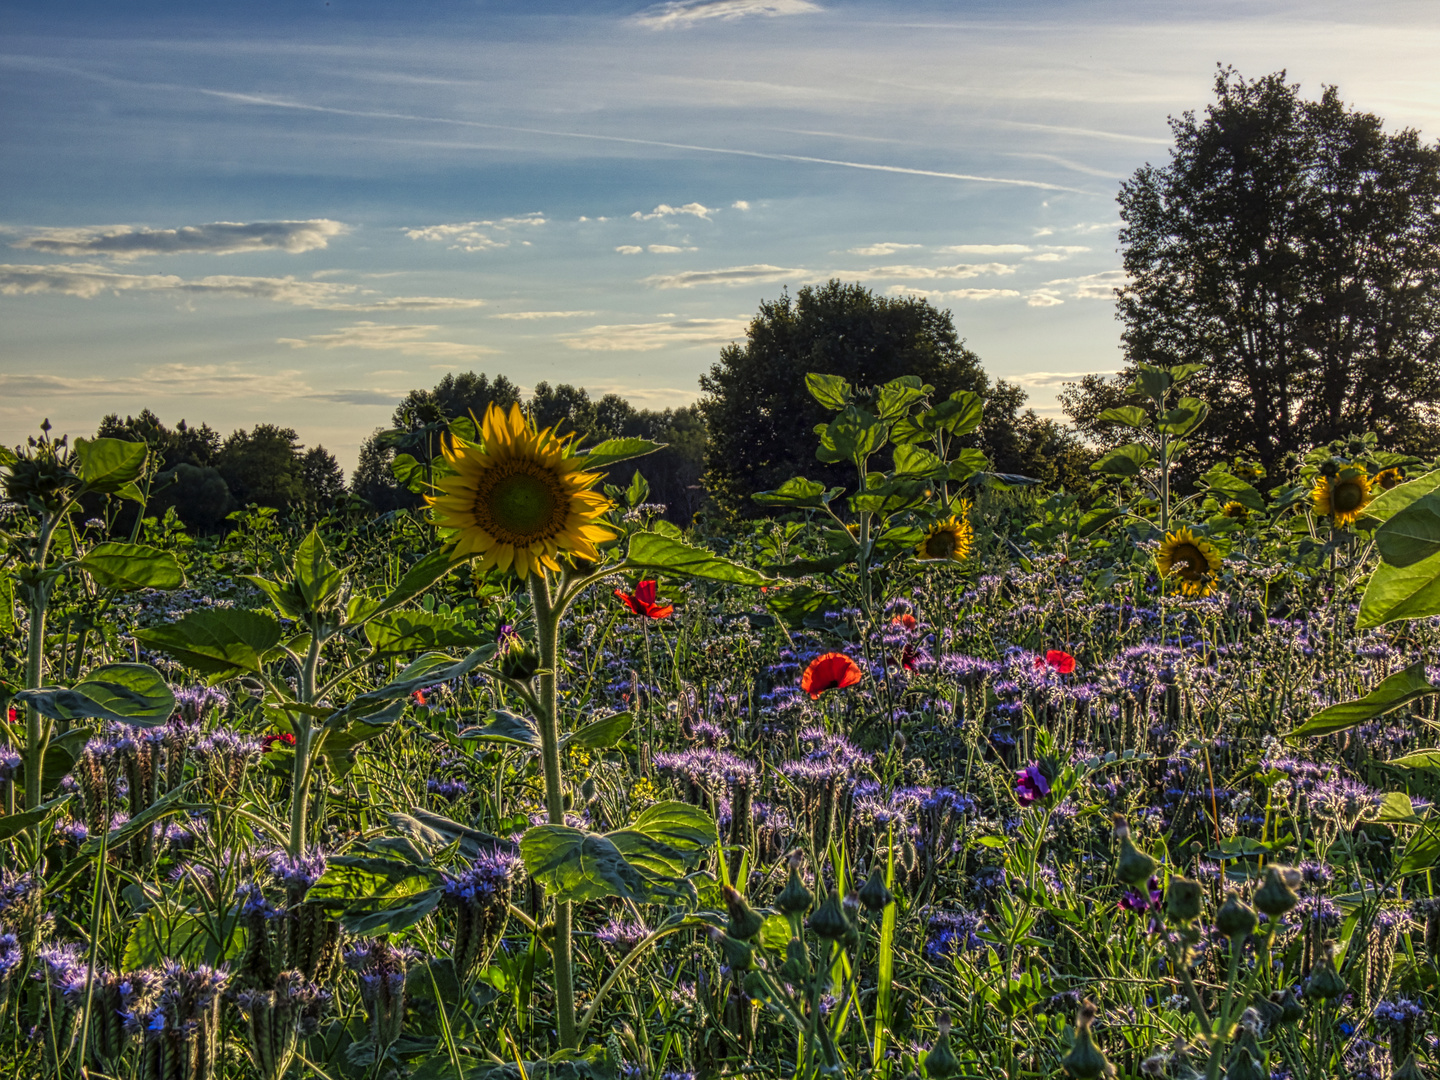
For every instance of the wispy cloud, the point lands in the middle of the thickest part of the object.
(475, 235)
(953, 294)
(688, 12)
(881, 250)
(411, 340)
(653, 249)
(1052, 378)
(125, 242)
(526, 315)
(87, 281)
(985, 249)
(694, 209)
(187, 380)
(740, 204)
(960, 271)
(733, 275)
(1099, 286)
(647, 337)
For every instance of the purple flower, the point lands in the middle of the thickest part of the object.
(1030, 784)
(1136, 901)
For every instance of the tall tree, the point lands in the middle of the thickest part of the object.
(1293, 247)
(759, 414)
(263, 466)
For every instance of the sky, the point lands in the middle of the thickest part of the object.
(295, 212)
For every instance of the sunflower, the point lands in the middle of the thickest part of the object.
(1237, 510)
(1341, 497)
(1192, 559)
(1386, 479)
(950, 539)
(519, 498)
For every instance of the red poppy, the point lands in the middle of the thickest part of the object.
(642, 601)
(1057, 660)
(282, 738)
(13, 715)
(906, 620)
(833, 671)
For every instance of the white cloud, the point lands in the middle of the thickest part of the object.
(472, 235)
(668, 249)
(647, 337)
(126, 242)
(1041, 298)
(985, 249)
(740, 204)
(664, 210)
(407, 340)
(953, 294)
(959, 271)
(733, 275)
(630, 249)
(86, 280)
(178, 380)
(1052, 378)
(1100, 286)
(687, 12)
(881, 250)
(541, 314)
(1046, 256)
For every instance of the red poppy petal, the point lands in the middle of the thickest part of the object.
(645, 592)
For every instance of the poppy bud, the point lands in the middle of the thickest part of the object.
(796, 969)
(738, 955)
(1325, 982)
(795, 898)
(898, 742)
(1243, 1066)
(1183, 900)
(1235, 919)
(1135, 868)
(1291, 1009)
(745, 921)
(1085, 1059)
(874, 896)
(829, 920)
(941, 1061)
(1268, 1010)
(754, 986)
(1277, 895)
(587, 791)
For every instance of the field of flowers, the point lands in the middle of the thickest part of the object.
(940, 776)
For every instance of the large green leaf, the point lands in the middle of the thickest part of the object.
(1188, 414)
(600, 734)
(1127, 460)
(416, 580)
(1395, 593)
(655, 552)
(407, 631)
(1412, 534)
(968, 462)
(131, 566)
(958, 414)
(316, 576)
(424, 671)
(1396, 690)
(801, 604)
(897, 395)
(1227, 485)
(219, 642)
(110, 466)
(1389, 503)
(124, 693)
(797, 492)
(1096, 519)
(168, 932)
(912, 460)
(15, 824)
(376, 894)
(576, 865)
(1129, 415)
(666, 838)
(507, 727)
(831, 391)
(611, 451)
(852, 436)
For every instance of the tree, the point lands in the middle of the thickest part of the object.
(321, 476)
(758, 412)
(263, 466)
(1292, 247)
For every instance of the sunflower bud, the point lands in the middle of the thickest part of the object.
(1325, 982)
(1085, 1060)
(1135, 868)
(795, 898)
(829, 920)
(1184, 900)
(874, 896)
(1235, 919)
(520, 661)
(745, 921)
(941, 1061)
(1277, 895)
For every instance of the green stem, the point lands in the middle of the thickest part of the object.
(36, 731)
(547, 620)
(304, 745)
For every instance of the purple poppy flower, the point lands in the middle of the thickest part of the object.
(1030, 784)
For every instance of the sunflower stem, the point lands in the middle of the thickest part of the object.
(547, 627)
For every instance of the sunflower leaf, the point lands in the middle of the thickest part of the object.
(1225, 484)
(831, 391)
(1411, 534)
(797, 492)
(1398, 689)
(1396, 593)
(1389, 503)
(651, 551)
(1125, 460)
(612, 451)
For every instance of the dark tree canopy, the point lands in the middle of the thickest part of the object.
(759, 413)
(1293, 246)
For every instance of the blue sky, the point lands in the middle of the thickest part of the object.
(296, 212)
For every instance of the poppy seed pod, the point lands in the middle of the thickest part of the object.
(745, 921)
(874, 896)
(941, 1061)
(1184, 900)
(1085, 1060)
(1135, 868)
(829, 920)
(1235, 919)
(795, 898)
(1277, 895)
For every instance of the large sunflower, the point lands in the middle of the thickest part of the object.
(950, 539)
(519, 498)
(1192, 559)
(1342, 497)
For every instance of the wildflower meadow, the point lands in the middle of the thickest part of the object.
(934, 774)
